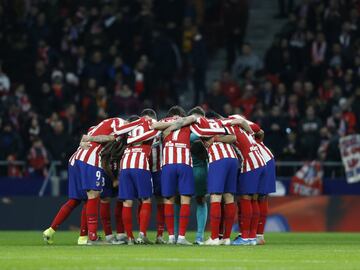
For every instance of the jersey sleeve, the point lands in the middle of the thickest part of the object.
(120, 129)
(148, 135)
(202, 129)
(255, 127)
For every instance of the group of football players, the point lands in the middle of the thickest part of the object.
(172, 160)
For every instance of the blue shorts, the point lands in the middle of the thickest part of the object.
(222, 176)
(156, 180)
(134, 184)
(75, 190)
(91, 177)
(268, 185)
(108, 190)
(249, 182)
(177, 178)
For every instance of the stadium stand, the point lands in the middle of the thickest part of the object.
(66, 65)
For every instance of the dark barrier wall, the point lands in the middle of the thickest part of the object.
(31, 186)
(289, 213)
(29, 213)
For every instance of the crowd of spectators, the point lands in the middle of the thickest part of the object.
(305, 92)
(66, 65)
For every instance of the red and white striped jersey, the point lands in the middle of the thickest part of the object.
(217, 150)
(176, 146)
(140, 140)
(266, 153)
(111, 126)
(156, 155)
(247, 149)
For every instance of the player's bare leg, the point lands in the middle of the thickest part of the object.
(160, 220)
(105, 216)
(184, 218)
(120, 231)
(83, 237)
(144, 220)
(244, 203)
(64, 212)
(127, 219)
(229, 215)
(215, 218)
(263, 209)
(92, 215)
(169, 218)
(254, 219)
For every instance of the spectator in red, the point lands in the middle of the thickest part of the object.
(326, 91)
(348, 116)
(13, 170)
(248, 100)
(229, 87)
(38, 157)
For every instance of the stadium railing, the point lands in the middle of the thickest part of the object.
(52, 175)
(57, 172)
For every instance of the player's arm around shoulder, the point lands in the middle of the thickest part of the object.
(98, 138)
(179, 123)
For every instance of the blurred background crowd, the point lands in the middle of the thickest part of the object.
(66, 65)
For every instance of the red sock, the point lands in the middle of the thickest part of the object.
(92, 214)
(254, 218)
(169, 218)
(138, 213)
(83, 221)
(145, 215)
(184, 218)
(127, 219)
(229, 214)
(222, 221)
(64, 212)
(160, 219)
(239, 215)
(263, 207)
(215, 218)
(118, 217)
(245, 219)
(105, 216)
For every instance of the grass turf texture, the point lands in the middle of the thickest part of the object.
(26, 250)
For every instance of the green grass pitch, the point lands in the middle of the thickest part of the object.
(26, 250)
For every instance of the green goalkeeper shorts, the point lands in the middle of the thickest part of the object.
(200, 176)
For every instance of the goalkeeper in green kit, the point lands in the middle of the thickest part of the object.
(200, 169)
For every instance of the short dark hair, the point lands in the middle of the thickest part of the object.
(133, 117)
(149, 112)
(213, 114)
(176, 110)
(197, 110)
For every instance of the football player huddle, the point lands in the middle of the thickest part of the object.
(168, 162)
